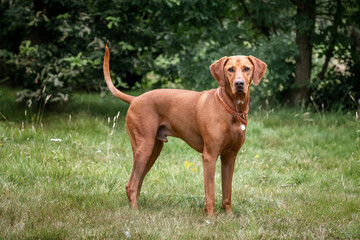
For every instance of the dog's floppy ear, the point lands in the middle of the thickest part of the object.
(217, 70)
(259, 69)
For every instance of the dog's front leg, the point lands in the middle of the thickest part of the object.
(209, 161)
(227, 170)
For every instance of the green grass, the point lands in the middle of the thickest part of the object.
(297, 177)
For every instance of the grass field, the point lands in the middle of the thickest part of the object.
(297, 177)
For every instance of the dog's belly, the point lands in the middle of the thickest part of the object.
(188, 135)
(171, 111)
(176, 110)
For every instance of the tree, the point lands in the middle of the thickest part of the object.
(53, 47)
(305, 22)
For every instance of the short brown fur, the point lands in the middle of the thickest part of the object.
(198, 118)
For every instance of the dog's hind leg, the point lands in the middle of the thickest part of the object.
(145, 153)
(155, 154)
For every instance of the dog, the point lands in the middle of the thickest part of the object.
(212, 122)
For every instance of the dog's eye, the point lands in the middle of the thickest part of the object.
(231, 70)
(246, 69)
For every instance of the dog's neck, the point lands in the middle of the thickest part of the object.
(239, 102)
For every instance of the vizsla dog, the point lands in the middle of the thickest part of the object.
(212, 122)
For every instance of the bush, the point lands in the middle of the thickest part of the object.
(51, 48)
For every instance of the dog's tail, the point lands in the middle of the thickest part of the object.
(112, 88)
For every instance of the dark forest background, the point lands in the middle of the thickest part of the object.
(49, 49)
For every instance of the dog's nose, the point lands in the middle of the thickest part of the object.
(239, 83)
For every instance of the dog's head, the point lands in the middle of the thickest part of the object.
(237, 72)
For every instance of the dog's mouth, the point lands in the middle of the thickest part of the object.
(239, 90)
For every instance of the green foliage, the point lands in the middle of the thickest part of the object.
(58, 45)
(336, 91)
(112, 21)
(55, 56)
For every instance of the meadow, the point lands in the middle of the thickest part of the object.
(63, 172)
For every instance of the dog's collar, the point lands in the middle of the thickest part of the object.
(239, 116)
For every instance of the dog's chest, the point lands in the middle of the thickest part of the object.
(238, 132)
(235, 138)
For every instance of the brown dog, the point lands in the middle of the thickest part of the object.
(212, 122)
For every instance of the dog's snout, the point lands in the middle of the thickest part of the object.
(239, 83)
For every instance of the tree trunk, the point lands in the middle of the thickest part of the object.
(334, 35)
(305, 24)
(355, 68)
